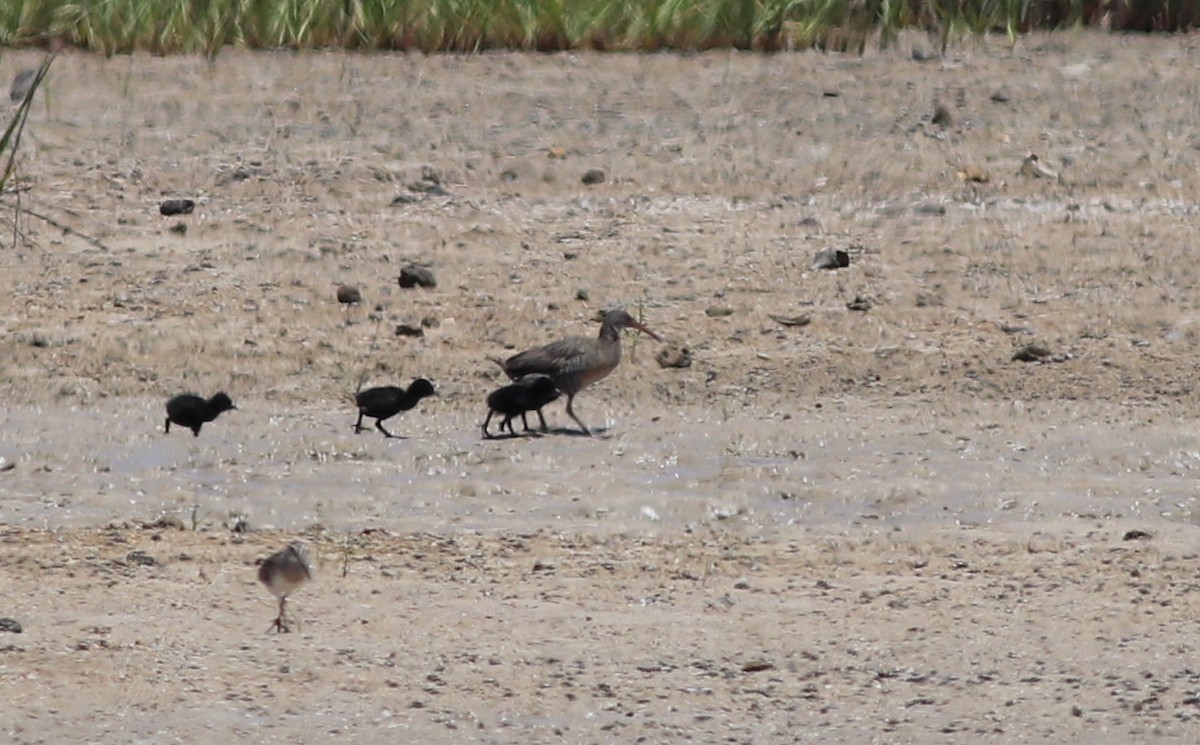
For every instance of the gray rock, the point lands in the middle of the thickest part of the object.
(674, 355)
(21, 85)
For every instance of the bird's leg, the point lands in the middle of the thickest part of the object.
(167, 427)
(379, 426)
(486, 435)
(280, 625)
(508, 423)
(571, 411)
(358, 428)
(196, 431)
(543, 419)
(525, 422)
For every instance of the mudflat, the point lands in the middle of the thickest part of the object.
(945, 493)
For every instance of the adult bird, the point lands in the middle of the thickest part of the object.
(388, 401)
(576, 362)
(284, 572)
(191, 411)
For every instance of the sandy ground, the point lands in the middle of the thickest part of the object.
(875, 527)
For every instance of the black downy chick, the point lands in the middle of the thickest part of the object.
(388, 401)
(191, 411)
(530, 393)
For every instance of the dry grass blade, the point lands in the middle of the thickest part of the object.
(11, 139)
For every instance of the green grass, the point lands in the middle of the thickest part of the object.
(206, 26)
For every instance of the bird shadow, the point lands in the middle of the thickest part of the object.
(533, 434)
(568, 432)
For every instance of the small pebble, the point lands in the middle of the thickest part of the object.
(416, 276)
(942, 116)
(348, 295)
(830, 260)
(801, 320)
(1032, 167)
(757, 666)
(11, 625)
(1031, 353)
(176, 207)
(141, 558)
(594, 176)
(673, 355)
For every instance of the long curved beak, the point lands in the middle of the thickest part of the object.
(646, 331)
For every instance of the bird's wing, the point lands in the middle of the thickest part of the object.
(563, 357)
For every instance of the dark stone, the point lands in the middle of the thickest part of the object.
(1031, 353)
(757, 666)
(176, 207)
(1137, 535)
(416, 276)
(942, 116)
(831, 260)
(348, 295)
(141, 558)
(11, 625)
(594, 176)
(859, 303)
(429, 189)
(407, 329)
